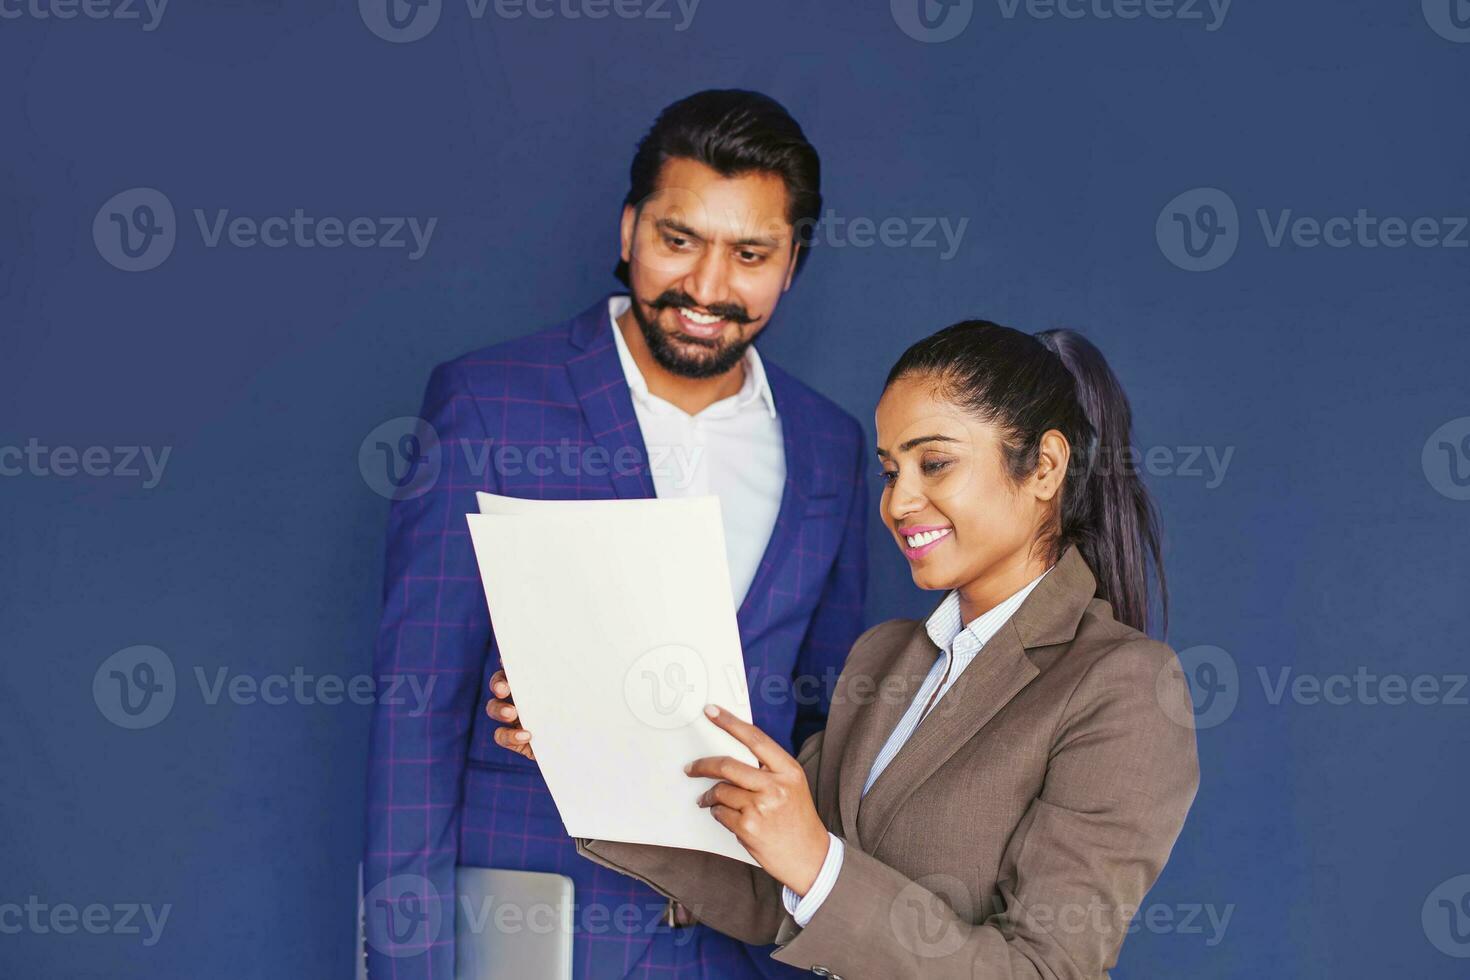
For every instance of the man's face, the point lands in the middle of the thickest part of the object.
(708, 259)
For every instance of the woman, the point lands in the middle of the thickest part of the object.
(999, 786)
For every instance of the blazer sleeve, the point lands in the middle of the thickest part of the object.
(434, 634)
(1121, 777)
(736, 898)
(838, 618)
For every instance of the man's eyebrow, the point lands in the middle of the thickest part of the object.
(749, 241)
(910, 444)
(759, 241)
(669, 224)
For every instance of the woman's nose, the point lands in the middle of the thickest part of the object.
(903, 502)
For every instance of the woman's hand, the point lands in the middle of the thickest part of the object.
(770, 809)
(511, 736)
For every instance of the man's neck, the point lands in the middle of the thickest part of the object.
(691, 395)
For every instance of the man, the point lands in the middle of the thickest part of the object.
(659, 392)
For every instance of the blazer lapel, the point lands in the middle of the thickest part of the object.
(1048, 616)
(602, 391)
(607, 404)
(875, 720)
(797, 442)
(996, 675)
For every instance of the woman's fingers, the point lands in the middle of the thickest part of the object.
(729, 770)
(728, 818)
(761, 745)
(727, 795)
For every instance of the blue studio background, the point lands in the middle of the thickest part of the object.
(1327, 382)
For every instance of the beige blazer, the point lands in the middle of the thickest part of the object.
(1014, 835)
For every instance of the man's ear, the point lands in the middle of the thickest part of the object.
(629, 226)
(791, 267)
(1052, 455)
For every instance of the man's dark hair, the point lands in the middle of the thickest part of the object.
(733, 132)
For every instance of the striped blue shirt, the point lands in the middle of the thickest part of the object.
(958, 645)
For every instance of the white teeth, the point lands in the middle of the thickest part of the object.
(919, 540)
(700, 318)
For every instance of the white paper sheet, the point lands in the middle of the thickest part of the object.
(616, 628)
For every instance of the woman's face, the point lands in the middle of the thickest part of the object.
(953, 510)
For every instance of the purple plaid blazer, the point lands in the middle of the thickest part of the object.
(440, 791)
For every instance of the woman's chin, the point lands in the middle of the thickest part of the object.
(931, 579)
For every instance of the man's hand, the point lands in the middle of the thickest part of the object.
(511, 736)
(770, 809)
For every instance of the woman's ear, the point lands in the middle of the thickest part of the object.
(1052, 456)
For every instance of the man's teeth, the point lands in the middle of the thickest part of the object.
(704, 319)
(919, 540)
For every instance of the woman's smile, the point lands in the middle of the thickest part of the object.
(917, 540)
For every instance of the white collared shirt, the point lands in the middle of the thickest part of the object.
(733, 449)
(959, 646)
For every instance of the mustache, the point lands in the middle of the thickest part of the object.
(671, 299)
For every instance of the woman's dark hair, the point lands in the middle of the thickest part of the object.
(733, 132)
(1026, 385)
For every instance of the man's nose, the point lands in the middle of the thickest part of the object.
(709, 281)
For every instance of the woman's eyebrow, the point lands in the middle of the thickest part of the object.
(910, 444)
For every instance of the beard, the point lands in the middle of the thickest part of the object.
(691, 357)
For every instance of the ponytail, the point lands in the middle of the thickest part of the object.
(1106, 510)
(1028, 385)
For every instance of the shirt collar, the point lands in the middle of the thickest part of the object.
(944, 626)
(754, 387)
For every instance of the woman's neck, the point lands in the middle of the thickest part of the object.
(999, 583)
